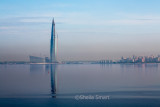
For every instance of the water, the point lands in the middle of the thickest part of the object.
(65, 81)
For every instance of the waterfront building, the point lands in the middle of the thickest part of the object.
(34, 59)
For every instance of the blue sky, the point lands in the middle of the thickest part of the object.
(87, 29)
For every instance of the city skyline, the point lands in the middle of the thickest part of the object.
(87, 30)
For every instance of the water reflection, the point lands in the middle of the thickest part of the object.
(49, 69)
(92, 78)
(37, 67)
(53, 74)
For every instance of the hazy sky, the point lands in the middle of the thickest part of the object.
(87, 29)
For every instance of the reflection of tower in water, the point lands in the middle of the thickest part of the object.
(53, 68)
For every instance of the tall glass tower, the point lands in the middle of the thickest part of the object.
(53, 52)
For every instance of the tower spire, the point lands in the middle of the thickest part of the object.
(53, 21)
(53, 44)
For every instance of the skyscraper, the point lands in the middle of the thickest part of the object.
(53, 51)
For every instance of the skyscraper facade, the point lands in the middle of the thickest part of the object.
(53, 49)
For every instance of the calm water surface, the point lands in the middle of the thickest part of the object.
(116, 80)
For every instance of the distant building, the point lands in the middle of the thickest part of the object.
(105, 61)
(141, 59)
(158, 59)
(135, 59)
(34, 59)
(126, 60)
(47, 60)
